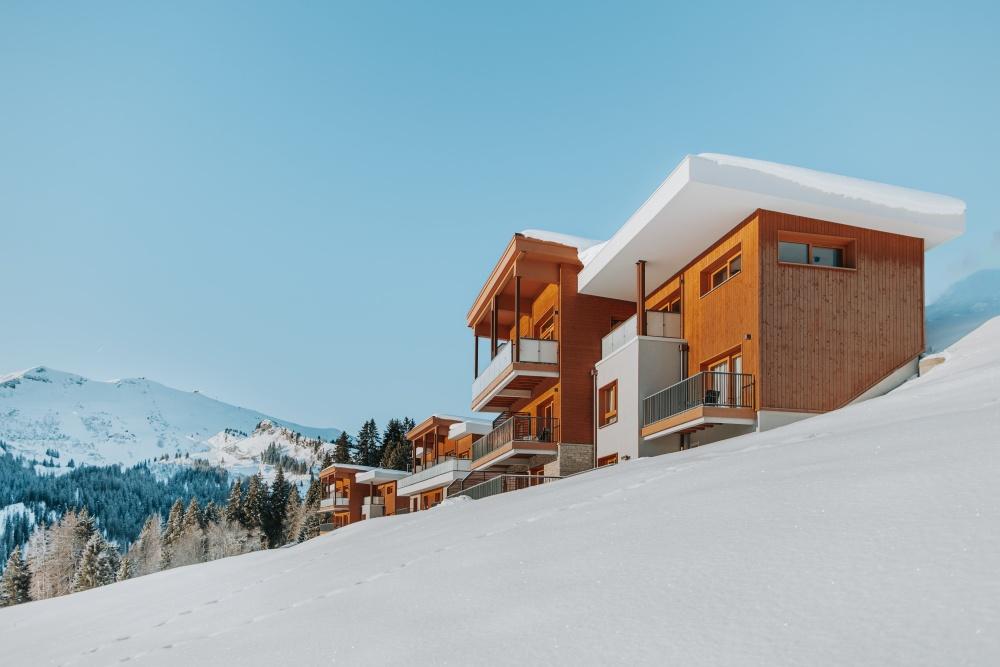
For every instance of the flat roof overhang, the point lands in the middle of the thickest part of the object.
(380, 476)
(707, 195)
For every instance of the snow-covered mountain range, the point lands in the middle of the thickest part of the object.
(963, 307)
(44, 411)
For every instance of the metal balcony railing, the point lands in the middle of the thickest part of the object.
(727, 390)
(517, 428)
(504, 484)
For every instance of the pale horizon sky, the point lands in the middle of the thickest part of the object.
(291, 207)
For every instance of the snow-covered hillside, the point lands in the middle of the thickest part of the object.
(126, 421)
(963, 307)
(867, 536)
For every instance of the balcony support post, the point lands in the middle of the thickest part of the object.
(494, 317)
(475, 354)
(640, 297)
(516, 356)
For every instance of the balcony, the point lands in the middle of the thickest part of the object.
(658, 325)
(702, 400)
(505, 381)
(514, 441)
(441, 475)
(504, 484)
(335, 504)
(373, 507)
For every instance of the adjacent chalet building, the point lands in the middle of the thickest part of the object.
(442, 453)
(542, 339)
(763, 294)
(352, 493)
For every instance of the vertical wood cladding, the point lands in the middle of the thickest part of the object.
(720, 320)
(829, 334)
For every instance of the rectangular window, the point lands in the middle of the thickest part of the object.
(827, 256)
(722, 270)
(816, 250)
(720, 276)
(607, 404)
(609, 460)
(797, 253)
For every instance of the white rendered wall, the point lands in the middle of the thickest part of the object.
(643, 366)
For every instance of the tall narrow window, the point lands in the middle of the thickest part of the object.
(607, 404)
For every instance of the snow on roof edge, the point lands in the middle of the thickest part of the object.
(586, 248)
(850, 187)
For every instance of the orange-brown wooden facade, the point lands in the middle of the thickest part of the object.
(550, 309)
(813, 337)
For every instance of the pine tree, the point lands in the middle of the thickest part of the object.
(192, 517)
(314, 494)
(291, 526)
(211, 513)
(234, 505)
(15, 584)
(273, 516)
(310, 526)
(397, 450)
(254, 504)
(146, 553)
(342, 449)
(175, 522)
(97, 565)
(368, 449)
(124, 570)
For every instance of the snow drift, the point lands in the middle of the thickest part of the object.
(866, 536)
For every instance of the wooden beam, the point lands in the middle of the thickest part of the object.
(493, 328)
(640, 297)
(517, 319)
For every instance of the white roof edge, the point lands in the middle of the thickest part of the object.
(708, 194)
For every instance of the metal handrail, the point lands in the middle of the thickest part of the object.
(717, 389)
(504, 483)
(335, 501)
(517, 428)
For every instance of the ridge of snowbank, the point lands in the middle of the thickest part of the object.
(865, 536)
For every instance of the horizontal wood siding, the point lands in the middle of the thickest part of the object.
(830, 334)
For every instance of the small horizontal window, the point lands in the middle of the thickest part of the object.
(797, 253)
(816, 250)
(827, 256)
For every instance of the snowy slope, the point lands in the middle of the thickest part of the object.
(963, 307)
(867, 536)
(124, 421)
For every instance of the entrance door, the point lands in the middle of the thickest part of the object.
(546, 422)
(717, 388)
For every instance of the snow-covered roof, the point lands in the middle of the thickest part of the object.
(474, 426)
(586, 248)
(380, 475)
(708, 194)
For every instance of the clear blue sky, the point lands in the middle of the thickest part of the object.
(291, 207)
